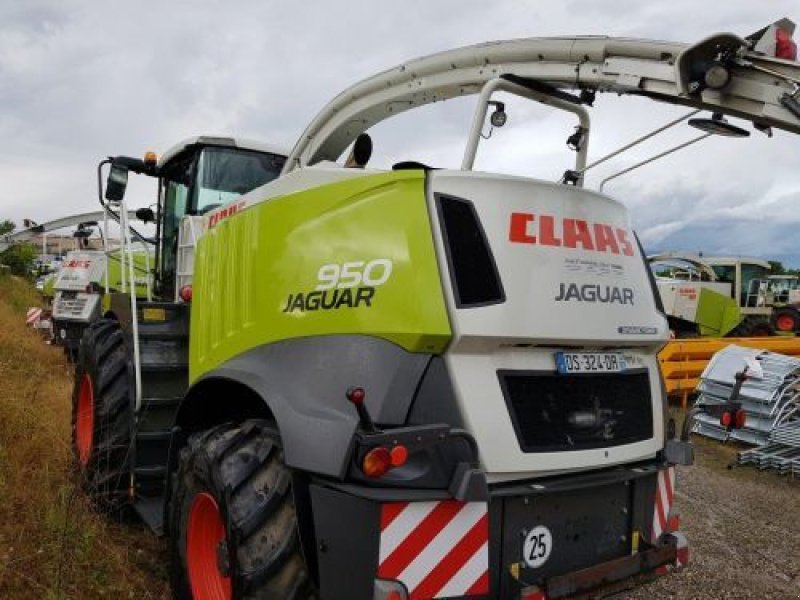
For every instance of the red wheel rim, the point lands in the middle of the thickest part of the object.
(84, 421)
(205, 532)
(785, 323)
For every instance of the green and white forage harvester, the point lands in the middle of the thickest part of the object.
(412, 382)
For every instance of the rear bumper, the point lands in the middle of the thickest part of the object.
(595, 529)
(671, 551)
(68, 333)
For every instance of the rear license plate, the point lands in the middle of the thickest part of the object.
(589, 362)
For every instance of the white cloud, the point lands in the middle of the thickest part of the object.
(80, 81)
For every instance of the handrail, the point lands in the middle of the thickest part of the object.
(128, 248)
(504, 85)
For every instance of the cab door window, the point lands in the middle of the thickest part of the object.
(177, 190)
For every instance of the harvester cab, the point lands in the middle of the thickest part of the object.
(200, 182)
(413, 382)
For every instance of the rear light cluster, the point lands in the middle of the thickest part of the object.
(731, 419)
(785, 46)
(380, 460)
(185, 293)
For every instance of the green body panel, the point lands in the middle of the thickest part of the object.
(114, 267)
(717, 314)
(255, 264)
(47, 289)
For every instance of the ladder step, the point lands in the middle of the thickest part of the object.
(153, 436)
(159, 403)
(159, 367)
(151, 510)
(151, 472)
(155, 331)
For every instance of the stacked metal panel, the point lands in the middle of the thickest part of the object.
(781, 452)
(770, 395)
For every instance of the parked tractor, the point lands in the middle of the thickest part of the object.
(784, 291)
(714, 296)
(360, 383)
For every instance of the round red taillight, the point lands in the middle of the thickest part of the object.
(376, 462)
(356, 395)
(740, 418)
(185, 293)
(726, 419)
(399, 455)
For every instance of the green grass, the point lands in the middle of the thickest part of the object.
(51, 543)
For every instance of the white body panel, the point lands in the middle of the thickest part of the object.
(532, 273)
(80, 269)
(680, 298)
(223, 141)
(523, 332)
(474, 375)
(192, 227)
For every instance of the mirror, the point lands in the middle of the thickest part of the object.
(145, 215)
(116, 183)
(718, 126)
(361, 153)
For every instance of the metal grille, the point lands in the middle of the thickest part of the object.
(69, 305)
(476, 281)
(557, 413)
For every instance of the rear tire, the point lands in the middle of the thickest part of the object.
(786, 320)
(752, 326)
(232, 523)
(102, 416)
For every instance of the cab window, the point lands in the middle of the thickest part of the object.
(224, 174)
(176, 189)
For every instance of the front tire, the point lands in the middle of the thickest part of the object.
(102, 415)
(232, 522)
(786, 320)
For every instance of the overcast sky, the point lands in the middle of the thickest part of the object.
(83, 80)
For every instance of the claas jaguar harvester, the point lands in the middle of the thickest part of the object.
(413, 382)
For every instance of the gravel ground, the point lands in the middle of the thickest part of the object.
(743, 528)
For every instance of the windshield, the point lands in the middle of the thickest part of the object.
(224, 174)
(753, 285)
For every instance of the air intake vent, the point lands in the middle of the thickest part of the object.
(560, 413)
(475, 279)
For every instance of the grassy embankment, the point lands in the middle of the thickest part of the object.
(52, 546)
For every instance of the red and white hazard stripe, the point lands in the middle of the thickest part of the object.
(33, 315)
(436, 549)
(665, 491)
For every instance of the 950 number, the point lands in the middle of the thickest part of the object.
(352, 274)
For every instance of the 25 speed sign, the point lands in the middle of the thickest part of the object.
(537, 546)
